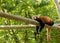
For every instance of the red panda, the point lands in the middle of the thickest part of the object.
(42, 20)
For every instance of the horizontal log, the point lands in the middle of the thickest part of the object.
(18, 18)
(4, 27)
(56, 27)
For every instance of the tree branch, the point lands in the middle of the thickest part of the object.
(18, 18)
(4, 27)
(56, 27)
(57, 7)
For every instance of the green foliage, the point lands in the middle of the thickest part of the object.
(27, 8)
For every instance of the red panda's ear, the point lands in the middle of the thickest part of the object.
(35, 17)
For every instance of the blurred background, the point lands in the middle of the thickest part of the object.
(27, 8)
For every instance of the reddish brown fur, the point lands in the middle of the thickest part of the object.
(44, 19)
